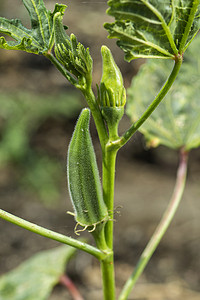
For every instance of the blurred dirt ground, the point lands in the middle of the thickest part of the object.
(144, 184)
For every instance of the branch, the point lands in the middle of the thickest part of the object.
(135, 126)
(52, 235)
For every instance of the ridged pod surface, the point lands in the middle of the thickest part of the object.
(83, 177)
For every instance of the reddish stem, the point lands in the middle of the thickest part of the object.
(67, 282)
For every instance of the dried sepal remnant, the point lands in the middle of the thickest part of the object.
(89, 228)
(83, 177)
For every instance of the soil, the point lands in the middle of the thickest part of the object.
(144, 184)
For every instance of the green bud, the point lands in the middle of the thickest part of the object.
(63, 48)
(111, 94)
(72, 55)
(83, 177)
(112, 91)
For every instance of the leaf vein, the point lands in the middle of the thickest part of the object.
(164, 25)
(40, 21)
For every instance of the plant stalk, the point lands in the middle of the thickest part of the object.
(107, 265)
(109, 161)
(161, 228)
(108, 278)
(53, 235)
(97, 116)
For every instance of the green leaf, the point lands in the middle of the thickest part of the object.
(176, 122)
(153, 28)
(39, 39)
(35, 278)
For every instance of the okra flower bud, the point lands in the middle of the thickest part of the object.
(63, 44)
(83, 177)
(70, 53)
(111, 94)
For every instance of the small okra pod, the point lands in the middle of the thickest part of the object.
(83, 177)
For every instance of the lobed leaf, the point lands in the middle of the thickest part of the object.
(35, 278)
(38, 39)
(176, 122)
(153, 28)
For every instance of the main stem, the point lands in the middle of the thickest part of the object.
(107, 265)
(109, 160)
(161, 228)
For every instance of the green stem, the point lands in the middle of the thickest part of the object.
(62, 69)
(135, 126)
(161, 228)
(109, 161)
(107, 265)
(108, 278)
(53, 235)
(97, 116)
(99, 237)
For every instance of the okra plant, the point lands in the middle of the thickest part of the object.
(151, 29)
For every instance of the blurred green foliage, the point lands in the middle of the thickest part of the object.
(36, 277)
(21, 116)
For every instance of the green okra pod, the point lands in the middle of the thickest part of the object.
(83, 177)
